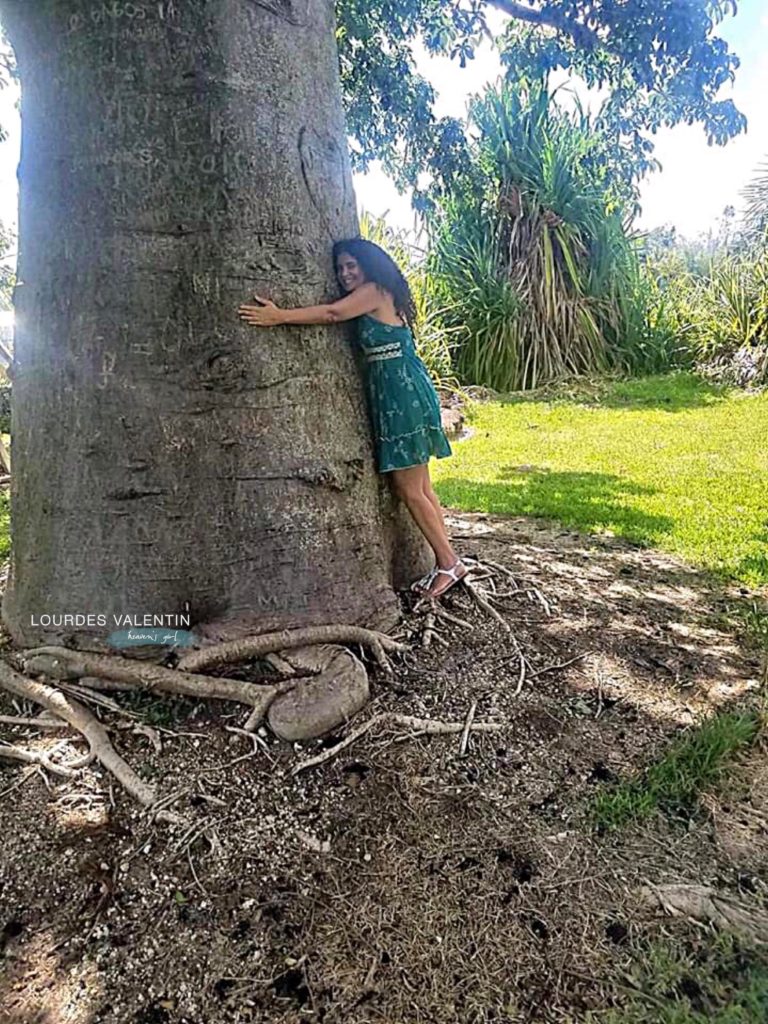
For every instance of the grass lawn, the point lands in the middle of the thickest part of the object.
(669, 462)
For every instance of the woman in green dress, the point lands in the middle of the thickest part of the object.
(404, 407)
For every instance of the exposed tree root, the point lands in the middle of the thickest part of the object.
(480, 585)
(420, 726)
(155, 678)
(253, 647)
(40, 757)
(39, 723)
(486, 605)
(704, 904)
(429, 627)
(453, 619)
(81, 719)
(86, 673)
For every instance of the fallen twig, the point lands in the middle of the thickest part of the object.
(521, 676)
(556, 668)
(467, 727)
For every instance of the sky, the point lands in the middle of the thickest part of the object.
(697, 181)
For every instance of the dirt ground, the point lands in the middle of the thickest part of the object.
(400, 883)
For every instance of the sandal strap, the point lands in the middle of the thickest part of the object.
(452, 571)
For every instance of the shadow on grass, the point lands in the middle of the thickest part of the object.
(588, 501)
(754, 567)
(673, 393)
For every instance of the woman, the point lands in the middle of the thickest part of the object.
(404, 407)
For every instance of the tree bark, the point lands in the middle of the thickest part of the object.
(176, 158)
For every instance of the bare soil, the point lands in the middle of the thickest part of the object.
(400, 883)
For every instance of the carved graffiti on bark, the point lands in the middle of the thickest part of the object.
(296, 12)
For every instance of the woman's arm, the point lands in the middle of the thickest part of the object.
(364, 299)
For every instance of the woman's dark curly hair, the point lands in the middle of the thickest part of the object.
(380, 268)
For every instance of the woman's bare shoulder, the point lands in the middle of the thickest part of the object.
(384, 299)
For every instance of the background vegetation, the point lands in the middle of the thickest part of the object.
(533, 273)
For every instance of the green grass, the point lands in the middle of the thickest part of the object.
(711, 979)
(747, 617)
(669, 462)
(673, 783)
(159, 710)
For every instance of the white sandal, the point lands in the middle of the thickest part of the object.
(425, 582)
(452, 574)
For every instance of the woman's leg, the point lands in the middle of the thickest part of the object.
(413, 487)
(429, 491)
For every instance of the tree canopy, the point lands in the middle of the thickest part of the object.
(661, 62)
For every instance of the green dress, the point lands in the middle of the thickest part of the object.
(403, 403)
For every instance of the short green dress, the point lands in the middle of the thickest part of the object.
(403, 403)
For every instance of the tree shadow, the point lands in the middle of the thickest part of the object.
(754, 566)
(669, 392)
(590, 501)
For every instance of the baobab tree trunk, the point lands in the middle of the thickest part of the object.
(176, 158)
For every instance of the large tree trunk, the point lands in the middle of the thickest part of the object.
(177, 156)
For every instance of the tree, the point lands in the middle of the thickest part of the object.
(175, 159)
(661, 62)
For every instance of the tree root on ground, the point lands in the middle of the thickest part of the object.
(418, 727)
(43, 758)
(288, 639)
(706, 905)
(81, 719)
(111, 672)
(94, 671)
(480, 583)
(83, 674)
(39, 723)
(154, 678)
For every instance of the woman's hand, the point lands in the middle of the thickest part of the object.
(265, 315)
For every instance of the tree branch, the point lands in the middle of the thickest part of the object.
(581, 35)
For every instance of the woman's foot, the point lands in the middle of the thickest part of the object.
(446, 578)
(422, 585)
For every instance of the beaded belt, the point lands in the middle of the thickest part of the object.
(384, 352)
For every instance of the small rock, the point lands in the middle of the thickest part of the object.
(453, 421)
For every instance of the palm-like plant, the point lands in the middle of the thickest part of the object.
(432, 334)
(531, 249)
(755, 196)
